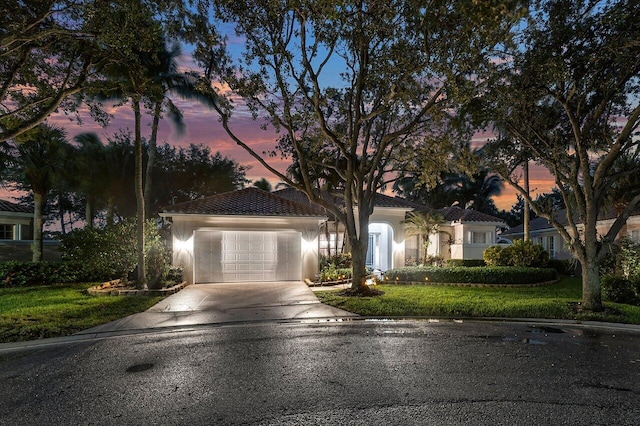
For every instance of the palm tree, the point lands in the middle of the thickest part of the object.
(475, 191)
(92, 172)
(38, 166)
(422, 224)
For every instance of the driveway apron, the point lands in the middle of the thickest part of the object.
(199, 304)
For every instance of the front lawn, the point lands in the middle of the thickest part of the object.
(549, 301)
(28, 313)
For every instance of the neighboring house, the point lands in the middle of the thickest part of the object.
(16, 231)
(543, 233)
(253, 235)
(16, 235)
(465, 234)
(16, 222)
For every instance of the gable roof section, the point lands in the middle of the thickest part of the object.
(246, 202)
(540, 223)
(537, 224)
(7, 206)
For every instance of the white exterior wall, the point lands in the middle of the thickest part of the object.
(394, 218)
(464, 247)
(184, 226)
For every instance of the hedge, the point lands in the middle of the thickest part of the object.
(475, 275)
(25, 274)
(466, 262)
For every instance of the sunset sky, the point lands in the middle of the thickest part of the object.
(202, 127)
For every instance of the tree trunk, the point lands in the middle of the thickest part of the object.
(88, 212)
(36, 248)
(111, 207)
(526, 212)
(63, 228)
(358, 264)
(152, 158)
(142, 282)
(359, 246)
(591, 290)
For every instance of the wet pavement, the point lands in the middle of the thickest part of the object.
(199, 304)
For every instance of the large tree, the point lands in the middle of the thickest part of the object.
(569, 101)
(354, 87)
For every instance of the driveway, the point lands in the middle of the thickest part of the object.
(199, 304)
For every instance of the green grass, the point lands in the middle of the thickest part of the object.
(549, 301)
(28, 313)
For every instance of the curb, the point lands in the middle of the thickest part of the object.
(83, 337)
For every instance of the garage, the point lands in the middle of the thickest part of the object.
(247, 256)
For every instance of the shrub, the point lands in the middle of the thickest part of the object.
(620, 290)
(340, 260)
(175, 275)
(521, 253)
(157, 258)
(331, 273)
(470, 263)
(629, 258)
(111, 252)
(460, 274)
(493, 256)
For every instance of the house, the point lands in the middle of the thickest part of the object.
(16, 235)
(544, 234)
(16, 231)
(16, 222)
(254, 235)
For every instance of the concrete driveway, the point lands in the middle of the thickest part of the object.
(199, 304)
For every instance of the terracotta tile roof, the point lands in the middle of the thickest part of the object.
(381, 200)
(245, 202)
(7, 206)
(454, 213)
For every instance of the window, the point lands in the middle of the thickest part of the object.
(551, 247)
(6, 232)
(479, 237)
(635, 236)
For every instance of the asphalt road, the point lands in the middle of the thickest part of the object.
(347, 373)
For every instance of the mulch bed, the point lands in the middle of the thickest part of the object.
(128, 288)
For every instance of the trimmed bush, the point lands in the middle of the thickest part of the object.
(476, 275)
(621, 290)
(493, 256)
(470, 263)
(521, 253)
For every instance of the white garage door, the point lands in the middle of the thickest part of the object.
(247, 256)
